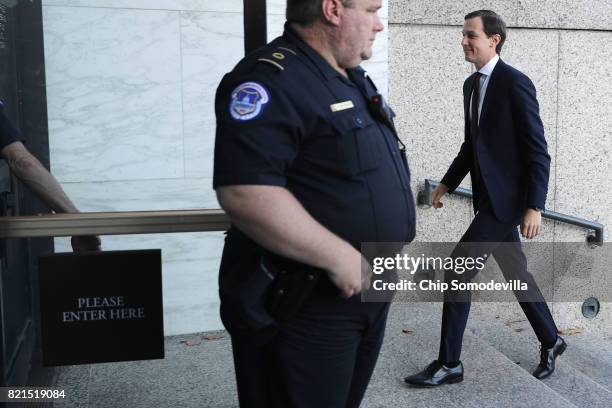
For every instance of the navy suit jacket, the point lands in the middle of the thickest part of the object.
(510, 146)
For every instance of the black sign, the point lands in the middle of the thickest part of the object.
(101, 307)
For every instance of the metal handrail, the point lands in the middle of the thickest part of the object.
(597, 238)
(151, 222)
(113, 223)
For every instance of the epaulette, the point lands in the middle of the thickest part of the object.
(279, 57)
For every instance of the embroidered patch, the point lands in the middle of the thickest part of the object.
(248, 101)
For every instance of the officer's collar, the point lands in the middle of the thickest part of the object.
(357, 74)
(326, 69)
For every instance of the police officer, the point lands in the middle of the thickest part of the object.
(34, 175)
(307, 166)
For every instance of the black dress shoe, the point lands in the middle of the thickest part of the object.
(547, 359)
(436, 374)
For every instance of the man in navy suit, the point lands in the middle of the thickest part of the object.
(506, 155)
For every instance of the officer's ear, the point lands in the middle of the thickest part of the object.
(332, 11)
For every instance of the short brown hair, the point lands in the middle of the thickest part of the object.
(306, 12)
(493, 24)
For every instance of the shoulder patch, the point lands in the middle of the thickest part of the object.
(248, 101)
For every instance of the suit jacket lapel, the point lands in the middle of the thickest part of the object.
(492, 88)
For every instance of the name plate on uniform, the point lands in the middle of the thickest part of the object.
(340, 106)
(101, 307)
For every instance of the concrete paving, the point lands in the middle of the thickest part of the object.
(198, 371)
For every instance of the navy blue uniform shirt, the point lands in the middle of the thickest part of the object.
(8, 133)
(286, 118)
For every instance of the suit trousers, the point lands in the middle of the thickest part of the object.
(487, 235)
(324, 356)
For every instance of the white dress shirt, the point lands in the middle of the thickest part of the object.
(484, 82)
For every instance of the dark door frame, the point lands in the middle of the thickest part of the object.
(255, 25)
(24, 91)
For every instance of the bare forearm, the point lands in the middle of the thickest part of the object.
(33, 174)
(36, 177)
(274, 218)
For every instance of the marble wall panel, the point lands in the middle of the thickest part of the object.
(143, 195)
(276, 7)
(211, 44)
(275, 25)
(184, 318)
(177, 247)
(441, 12)
(191, 293)
(113, 93)
(235, 6)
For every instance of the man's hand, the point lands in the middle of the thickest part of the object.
(437, 194)
(86, 243)
(351, 275)
(532, 220)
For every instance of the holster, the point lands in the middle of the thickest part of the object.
(258, 288)
(294, 282)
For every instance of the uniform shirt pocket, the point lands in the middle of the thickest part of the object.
(357, 142)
